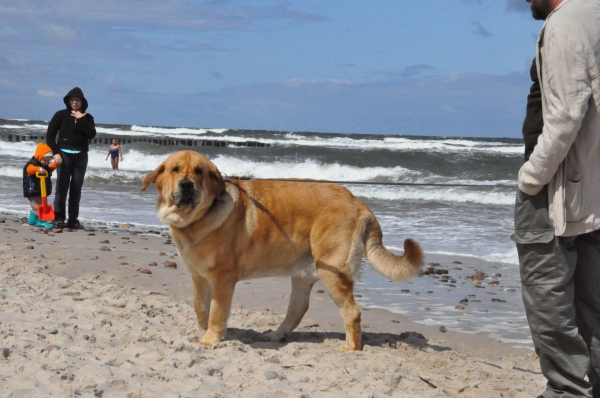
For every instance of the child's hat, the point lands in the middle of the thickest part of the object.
(48, 155)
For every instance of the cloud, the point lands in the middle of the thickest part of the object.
(511, 5)
(517, 6)
(482, 105)
(480, 30)
(47, 93)
(415, 70)
(129, 28)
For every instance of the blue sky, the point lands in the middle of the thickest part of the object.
(427, 67)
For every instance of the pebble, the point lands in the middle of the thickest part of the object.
(29, 247)
(433, 264)
(120, 257)
(492, 283)
(144, 271)
(498, 300)
(320, 291)
(463, 301)
(125, 238)
(441, 271)
(429, 271)
(104, 241)
(476, 282)
(170, 264)
(497, 275)
(153, 264)
(459, 307)
(270, 375)
(126, 225)
(57, 230)
(427, 309)
(405, 291)
(50, 348)
(478, 275)
(105, 249)
(443, 329)
(124, 263)
(92, 234)
(395, 321)
(162, 254)
(457, 262)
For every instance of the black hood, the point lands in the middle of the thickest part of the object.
(77, 93)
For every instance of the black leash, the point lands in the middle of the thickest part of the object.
(417, 184)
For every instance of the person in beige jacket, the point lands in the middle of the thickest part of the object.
(557, 212)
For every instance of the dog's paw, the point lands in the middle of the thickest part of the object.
(275, 336)
(346, 349)
(210, 339)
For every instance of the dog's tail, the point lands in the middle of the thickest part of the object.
(394, 267)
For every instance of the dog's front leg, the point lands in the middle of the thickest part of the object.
(202, 297)
(220, 306)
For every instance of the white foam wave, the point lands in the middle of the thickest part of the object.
(456, 195)
(309, 168)
(403, 144)
(172, 131)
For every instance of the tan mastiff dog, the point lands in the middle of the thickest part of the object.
(228, 231)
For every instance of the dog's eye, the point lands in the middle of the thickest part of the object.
(175, 169)
(198, 171)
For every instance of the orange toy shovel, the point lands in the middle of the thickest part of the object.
(45, 211)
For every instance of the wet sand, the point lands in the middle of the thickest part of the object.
(78, 318)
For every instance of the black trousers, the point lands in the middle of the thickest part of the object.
(69, 181)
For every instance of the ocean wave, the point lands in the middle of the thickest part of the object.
(290, 139)
(137, 163)
(309, 168)
(438, 194)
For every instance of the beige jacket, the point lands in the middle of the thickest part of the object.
(567, 155)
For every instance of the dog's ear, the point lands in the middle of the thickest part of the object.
(217, 180)
(150, 178)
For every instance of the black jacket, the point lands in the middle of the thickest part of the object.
(534, 119)
(31, 184)
(67, 132)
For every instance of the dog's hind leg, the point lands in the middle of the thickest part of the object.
(202, 297)
(340, 285)
(299, 301)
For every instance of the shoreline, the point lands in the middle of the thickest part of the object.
(76, 318)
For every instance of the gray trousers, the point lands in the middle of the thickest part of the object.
(561, 292)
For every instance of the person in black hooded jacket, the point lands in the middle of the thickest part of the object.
(68, 134)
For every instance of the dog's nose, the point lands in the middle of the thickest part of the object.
(186, 185)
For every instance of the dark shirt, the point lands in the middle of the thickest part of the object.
(67, 132)
(534, 118)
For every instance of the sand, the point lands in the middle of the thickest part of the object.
(78, 319)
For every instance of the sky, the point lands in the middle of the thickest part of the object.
(408, 67)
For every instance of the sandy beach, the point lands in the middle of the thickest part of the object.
(78, 318)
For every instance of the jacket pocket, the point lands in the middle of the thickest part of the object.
(573, 200)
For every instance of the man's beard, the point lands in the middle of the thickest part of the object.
(540, 9)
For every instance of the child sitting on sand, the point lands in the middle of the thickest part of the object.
(39, 163)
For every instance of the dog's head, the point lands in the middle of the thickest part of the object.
(187, 185)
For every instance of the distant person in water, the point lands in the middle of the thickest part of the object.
(68, 134)
(114, 151)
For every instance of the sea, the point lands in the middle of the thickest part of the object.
(463, 220)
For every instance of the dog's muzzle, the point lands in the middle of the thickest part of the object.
(187, 193)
